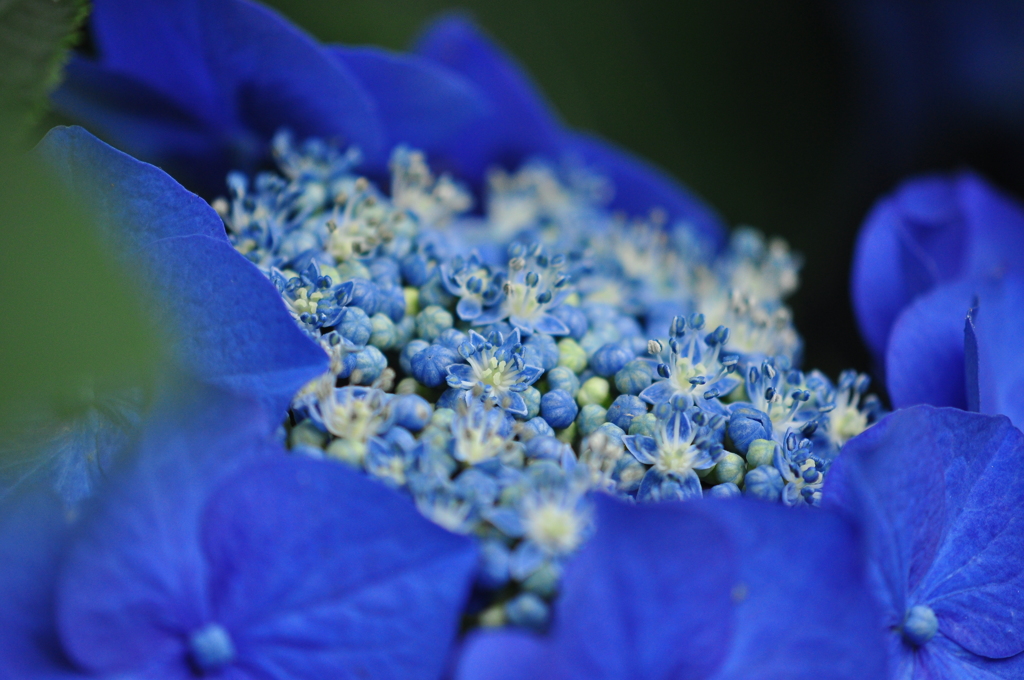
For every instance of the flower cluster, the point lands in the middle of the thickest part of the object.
(482, 363)
(390, 423)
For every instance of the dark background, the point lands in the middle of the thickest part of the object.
(792, 116)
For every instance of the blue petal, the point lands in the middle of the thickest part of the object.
(33, 531)
(461, 373)
(514, 403)
(943, 658)
(134, 203)
(550, 324)
(702, 590)
(529, 374)
(242, 70)
(129, 112)
(290, 545)
(139, 546)
(421, 103)
(624, 610)
(904, 529)
(641, 187)
(999, 328)
(832, 630)
(643, 448)
(658, 392)
(230, 324)
(924, 362)
(955, 542)
(932, 230)
(521, 123)
(690, 483)
(521, 655)
(468, 308)
(976, 585)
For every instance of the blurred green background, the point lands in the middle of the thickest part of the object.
(70, 319)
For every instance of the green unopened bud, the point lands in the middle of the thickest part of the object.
(591, 417)
(442, 417)
(544, 581)
(493, 616)
(307, 434)
(352, 269)
(644, 424)
(571, 355)
(433, 321)
(731, 468)
(347, 450)
(406, 386)
(412, 300)
(760, 452)
(594, 391)
(531, 395)
(568, 435)
(383, 335)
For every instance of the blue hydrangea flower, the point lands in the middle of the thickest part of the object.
(939, 492)
(473, 283)
(673, 454)
(495, 370)
(480, 431)
(700, 591)
(696, 366)
(932, 230)
(486, 460)
(534, 287)
(212, 552)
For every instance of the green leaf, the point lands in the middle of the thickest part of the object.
(35, 36)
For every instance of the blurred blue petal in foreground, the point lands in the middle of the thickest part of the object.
(219, 318)
(212, 552)
(701, 590)
(201, 86)
(939, 493)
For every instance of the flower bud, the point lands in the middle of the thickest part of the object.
(593, 391)
(571, 355)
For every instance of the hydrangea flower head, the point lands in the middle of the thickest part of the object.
(458, 311)
(492, 365)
